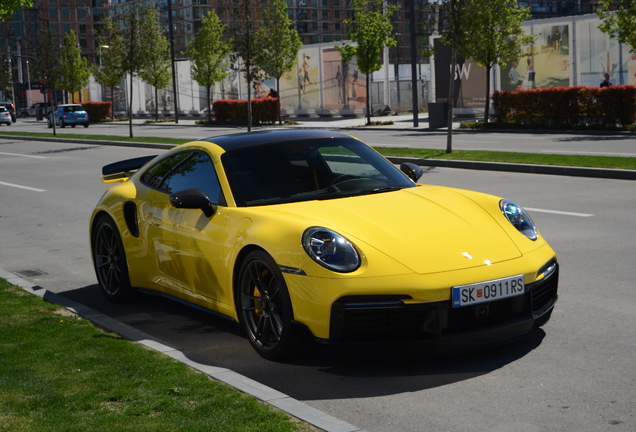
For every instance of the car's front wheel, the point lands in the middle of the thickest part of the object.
(109, 259)
(265, 309)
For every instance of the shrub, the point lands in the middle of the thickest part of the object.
(98, 110)
(567, 107)
(230, 111)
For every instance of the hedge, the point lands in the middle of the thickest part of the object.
(231, 111)
(567, 107)
(98, 110)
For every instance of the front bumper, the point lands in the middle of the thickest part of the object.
(389, 319)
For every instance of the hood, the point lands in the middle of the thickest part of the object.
(427, 229)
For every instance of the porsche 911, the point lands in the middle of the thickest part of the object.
(313, 232)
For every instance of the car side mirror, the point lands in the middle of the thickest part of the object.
(193, 199)
(414, 172)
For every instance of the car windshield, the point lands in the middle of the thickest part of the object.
(3, 109)
(316, 169)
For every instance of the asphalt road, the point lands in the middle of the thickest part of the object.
(575, 374)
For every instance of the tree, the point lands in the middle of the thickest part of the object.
(621, 23)
(76, 74)
(132, 22)
(247, 15)
(6, 80)
(453, 35)
(495, 33)
(275, 59)
(370, 27)
(8, 7)
(109, 71)
(208, 52)
(48, 67)
(156, 70)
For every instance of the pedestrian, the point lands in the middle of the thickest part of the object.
(606, 82)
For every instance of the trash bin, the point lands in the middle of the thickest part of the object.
(38, 114)
(437, 114)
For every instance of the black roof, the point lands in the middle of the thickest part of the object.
(251, 139)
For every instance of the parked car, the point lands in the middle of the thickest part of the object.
(313, 230)
(68, 114)
(11, 108)
(33, 110)
(5, 116)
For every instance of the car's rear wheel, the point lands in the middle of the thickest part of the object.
(62, 124)
(73, 126)
(49, 123)
(265, 309)
(86, 125)
(24, 115)
(109, 259)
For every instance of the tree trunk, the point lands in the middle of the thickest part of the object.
(280, 121)
(451, 98)
(112, 102)
(248, 68)
(130, 106)
(368, 102)
(156, 104)
(487, 108)
(207, 92)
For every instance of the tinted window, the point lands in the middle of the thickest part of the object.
(309, 170)
(185, 170)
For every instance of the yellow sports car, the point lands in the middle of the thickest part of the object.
(290, 231)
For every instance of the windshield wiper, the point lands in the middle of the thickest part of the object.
(380, 190)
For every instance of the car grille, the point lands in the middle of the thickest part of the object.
(388, 318)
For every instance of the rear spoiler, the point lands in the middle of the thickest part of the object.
(120, 171)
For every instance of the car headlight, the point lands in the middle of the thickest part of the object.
(518, 217)
(331, 250)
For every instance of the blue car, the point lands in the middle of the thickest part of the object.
(69, 114)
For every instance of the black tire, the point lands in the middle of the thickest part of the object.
(109, 259)
(73, 126)
(86, 125)
(62, 124)
(24, 115)
(49, 124)
(264, 306)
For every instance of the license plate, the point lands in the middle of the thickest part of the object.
(481, 292)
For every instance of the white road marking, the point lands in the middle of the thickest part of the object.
(22, 187)
(31, 156)
(559, 212)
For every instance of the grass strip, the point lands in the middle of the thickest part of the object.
(60, 373)
(584, 161)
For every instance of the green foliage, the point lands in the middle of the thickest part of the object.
(208, 52)
(370, 28)
(48, 68)
(247, 20)
(8, 7)
(567, 107)
(156, 70)
(109, 71)
(76, 74)
(277, 58)
(495, 33)
(6, 81)
(620, 24)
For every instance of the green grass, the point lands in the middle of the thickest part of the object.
(611, 162)
(59, 373)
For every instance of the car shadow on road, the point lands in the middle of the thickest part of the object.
(316, 372)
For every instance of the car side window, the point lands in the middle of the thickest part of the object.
(185, 170)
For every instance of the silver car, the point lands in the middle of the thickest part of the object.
(5, 116)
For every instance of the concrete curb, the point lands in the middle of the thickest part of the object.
(522, 168)
(273, 397)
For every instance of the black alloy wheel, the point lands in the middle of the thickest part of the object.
(109, 260)
(265, 309)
